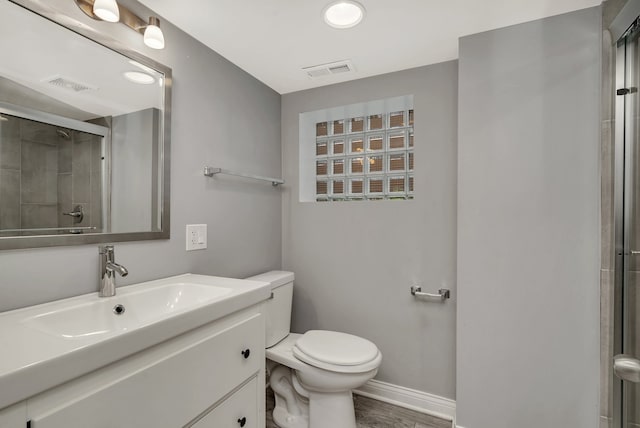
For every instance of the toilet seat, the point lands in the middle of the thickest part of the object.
(337, 352)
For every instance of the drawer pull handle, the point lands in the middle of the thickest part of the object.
(246, 354)
(242, 421)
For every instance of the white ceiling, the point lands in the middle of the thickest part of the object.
(274, 39)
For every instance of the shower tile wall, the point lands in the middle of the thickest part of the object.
(9, 174)
(38, 175)
(44, 173)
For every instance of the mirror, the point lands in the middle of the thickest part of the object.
(84, 140)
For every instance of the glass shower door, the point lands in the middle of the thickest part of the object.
(627, 362)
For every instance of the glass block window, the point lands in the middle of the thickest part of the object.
(338, 147)
(357, 124)
(396, 141)
(396, 120)
(321, 148)
(375, 163)
(357, 145)
(338, 187)
(321, 129)
(369, 157)
(321, 187)
(321, 167)
(337, 166)
(396, 184)
(376, 142)
(396, 162)
(357, 186)
(357, 165)
(376, 185)
(375, 122)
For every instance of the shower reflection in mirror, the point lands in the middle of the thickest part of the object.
(52, 176)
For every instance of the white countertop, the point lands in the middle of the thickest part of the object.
(45, 345)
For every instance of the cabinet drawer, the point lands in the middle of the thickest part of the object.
(14, 416)
(166, 391)
(238, 411)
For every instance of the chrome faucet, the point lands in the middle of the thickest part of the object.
(108, 270)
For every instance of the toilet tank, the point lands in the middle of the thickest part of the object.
(278, 307)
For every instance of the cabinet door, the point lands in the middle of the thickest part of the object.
(14, 416)
(168, 391)
(238, 411)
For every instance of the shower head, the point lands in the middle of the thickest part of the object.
(63, 133)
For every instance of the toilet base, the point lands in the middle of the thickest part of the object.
(291, 407)
(283, 419)
(298, 407)
(331, 410)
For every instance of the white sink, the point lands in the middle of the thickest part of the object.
(125, 311)
(46, 345)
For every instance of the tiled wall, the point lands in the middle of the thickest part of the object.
(44, 174)
(9, 174)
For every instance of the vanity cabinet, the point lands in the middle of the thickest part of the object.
(239, 410)
(207, 377)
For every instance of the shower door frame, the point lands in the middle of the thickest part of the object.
(627, 139)
(618, 406)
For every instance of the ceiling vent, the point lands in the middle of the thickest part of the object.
(66, 83)
(329, 69)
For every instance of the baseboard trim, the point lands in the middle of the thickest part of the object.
(409, 398)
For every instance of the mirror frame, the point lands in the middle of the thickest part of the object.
(51, 13)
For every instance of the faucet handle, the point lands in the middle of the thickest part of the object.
(105, 249)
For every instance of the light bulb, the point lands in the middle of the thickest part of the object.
(153, 36)
(107, 10)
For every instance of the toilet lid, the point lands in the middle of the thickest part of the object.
(334, 348)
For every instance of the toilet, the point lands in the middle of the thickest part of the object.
(312, 374)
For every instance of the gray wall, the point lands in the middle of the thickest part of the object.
(221, 116)
(355, 261)
(528, 225)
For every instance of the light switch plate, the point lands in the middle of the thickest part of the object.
(196, 237)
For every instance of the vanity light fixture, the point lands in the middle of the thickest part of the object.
(343, 14)
(111, 11)
(153, 36)
(107, 10)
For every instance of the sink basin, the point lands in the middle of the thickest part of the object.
(49, 344)
(125, 311)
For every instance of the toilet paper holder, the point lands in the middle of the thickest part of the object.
(443, 293)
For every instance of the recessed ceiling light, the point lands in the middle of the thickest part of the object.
(343, 14)
(139, 77)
